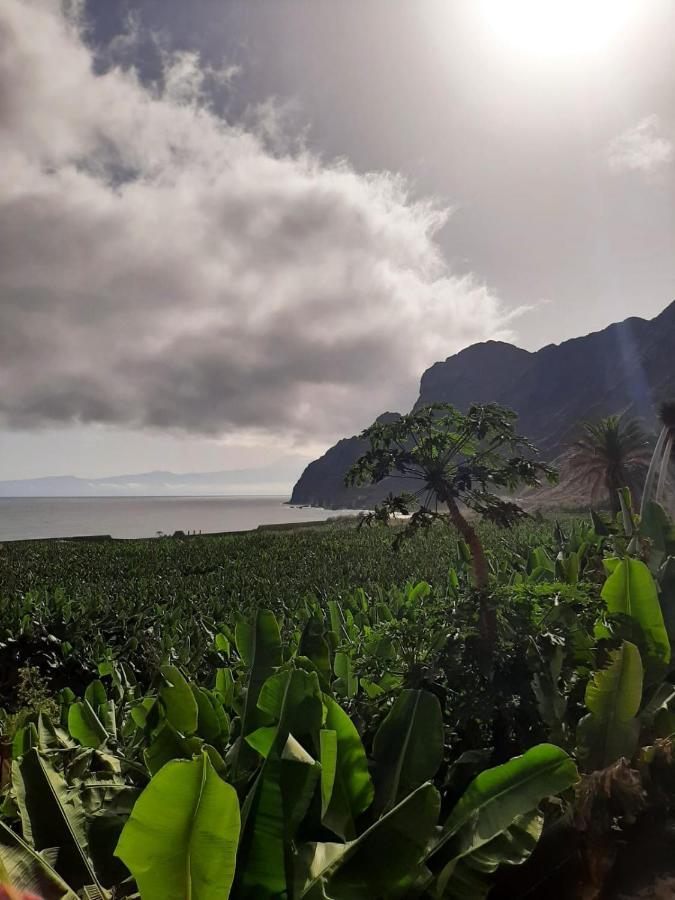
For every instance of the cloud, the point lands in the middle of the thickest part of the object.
(643, 148)
(163, 268)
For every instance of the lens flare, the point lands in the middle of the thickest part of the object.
(558, 27)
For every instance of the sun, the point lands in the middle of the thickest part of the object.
(557, 27)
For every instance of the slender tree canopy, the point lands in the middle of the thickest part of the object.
(453, 459)
(453, 455)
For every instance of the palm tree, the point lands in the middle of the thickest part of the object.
(611, 454)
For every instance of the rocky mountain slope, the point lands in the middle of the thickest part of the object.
(627, 366)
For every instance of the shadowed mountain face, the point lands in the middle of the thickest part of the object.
(627, 366)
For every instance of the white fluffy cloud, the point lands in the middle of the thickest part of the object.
(162, 268)
(643, 148)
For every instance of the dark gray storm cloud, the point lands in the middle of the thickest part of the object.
(161, 267)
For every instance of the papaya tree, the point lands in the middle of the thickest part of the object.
(457, 462)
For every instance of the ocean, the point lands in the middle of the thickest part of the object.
(136, 517)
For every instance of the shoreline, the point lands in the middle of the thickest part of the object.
(183, 535)
(148, 517)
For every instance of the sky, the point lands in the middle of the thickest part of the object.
(233, 232)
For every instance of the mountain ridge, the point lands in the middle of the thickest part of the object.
(626, 366)
(158, 482)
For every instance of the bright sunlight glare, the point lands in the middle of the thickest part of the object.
(558, 27)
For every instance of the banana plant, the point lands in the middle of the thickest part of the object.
(408, 746)
(630, 590)
(496, 819)
(54, 851)
(182, 835)
(611, 729)
(309, 815)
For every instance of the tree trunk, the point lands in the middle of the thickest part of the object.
(614, 502)
(487, 618)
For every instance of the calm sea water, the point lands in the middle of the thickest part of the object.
(133, 517)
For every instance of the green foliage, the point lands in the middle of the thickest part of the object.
(471, 877)
(613, 696)
(305, 821)
(452, 458)
(21, 865)
(452, 454)
(52, 817)
(346, 785)
(609, 455)
(385, 861)
(181, 837)
(67, 606)
(408, 746)
(344, 741)
(631, 591)
(497, 799)
(259, 646)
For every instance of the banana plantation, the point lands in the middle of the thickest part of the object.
(503, 730)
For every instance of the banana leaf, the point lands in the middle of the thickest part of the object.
(497, 797)
(612, 728)
(385, 861)
(259, 645)
(408, 746)
(52, 815)
(181, 838)
(27, 870)
(351, 791)
(284, 787)
(631, 590)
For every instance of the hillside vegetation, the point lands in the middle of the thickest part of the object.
(445, 708)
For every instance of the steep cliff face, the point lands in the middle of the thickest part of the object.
(627, 366)
(474, 374)
(322, 483)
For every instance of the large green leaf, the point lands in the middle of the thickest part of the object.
(657, 718)
(25, 739)
(631, 591)
(51, 737)
(213, 723)
(179, 701)
(273, 810)
(470, 876)
(261, 647)
(346, 683)
(314, 646)
(551, 700)
(293, 700)
(284, 787)
(385, 861)
(262, 857)
(352, 787)
(498, 796)
(26, 870)
(328, 758)
(225, 686)
(611, 729)
(657, 527)
(667, 591)
(408, 746)
(181, 838)
(85, 726)
(53, 816)
(168, 744)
